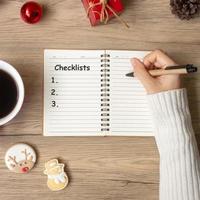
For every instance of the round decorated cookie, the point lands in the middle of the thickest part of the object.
(20, 158)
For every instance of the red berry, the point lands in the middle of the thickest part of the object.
(31, 12)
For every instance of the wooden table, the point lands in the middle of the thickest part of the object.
(99, 168)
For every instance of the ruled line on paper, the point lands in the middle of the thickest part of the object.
(71, 80)
(81, 127)
(68, 102)
(96, 132)
(135, 132)
(138, 98)
(76, 106)
(73, 92)
(74, 96)
(76, 109)
(68, 58)
(134, 89)
(75, 131)
(80, 61)
(73, 77)
(72, 118)
(77, 100)
(132, 82)
(73, 125)
(75, 85)
(132, 115)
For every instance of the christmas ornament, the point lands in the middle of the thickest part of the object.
(185, 9)
(100, 11)
(31, 12)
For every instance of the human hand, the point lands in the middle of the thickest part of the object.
(156, 59)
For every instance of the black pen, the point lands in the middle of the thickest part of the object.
(178, 69)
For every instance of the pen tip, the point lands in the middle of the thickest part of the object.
(130, 74)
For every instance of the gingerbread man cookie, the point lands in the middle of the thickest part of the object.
(20, 158)
(57, 178)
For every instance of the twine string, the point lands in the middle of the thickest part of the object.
(104, 16)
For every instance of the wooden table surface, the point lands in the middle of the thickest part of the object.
(101, 168)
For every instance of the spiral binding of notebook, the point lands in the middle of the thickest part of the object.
(105, 93)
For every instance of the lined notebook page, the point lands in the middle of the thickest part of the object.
(72, 93)
(129, 113)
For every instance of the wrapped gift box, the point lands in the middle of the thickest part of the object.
(100, 11)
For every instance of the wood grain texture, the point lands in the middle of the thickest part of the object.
(100, 168)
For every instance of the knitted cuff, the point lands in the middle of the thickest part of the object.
(172, 120)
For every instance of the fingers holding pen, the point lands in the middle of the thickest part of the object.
(141, 72)
(159, 83)
(158, 59)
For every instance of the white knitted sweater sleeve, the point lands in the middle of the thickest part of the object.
(179, 156)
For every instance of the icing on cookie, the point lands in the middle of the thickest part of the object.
(57, 178)
(20, 158)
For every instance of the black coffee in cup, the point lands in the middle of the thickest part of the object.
(8, 94)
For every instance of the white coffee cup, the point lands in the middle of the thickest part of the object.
(10, 70)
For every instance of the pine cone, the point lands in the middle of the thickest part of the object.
(185, 9)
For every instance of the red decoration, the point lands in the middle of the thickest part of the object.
(25, 169)
(100, 11)
(31, 12)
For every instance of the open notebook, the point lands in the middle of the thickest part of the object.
(86, 93)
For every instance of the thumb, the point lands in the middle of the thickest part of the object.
(142, 74)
